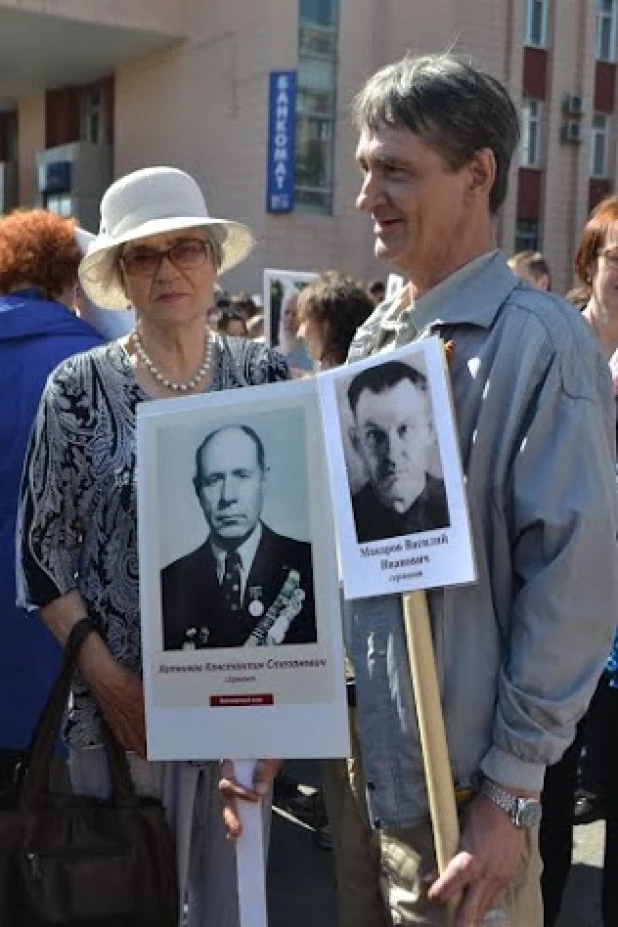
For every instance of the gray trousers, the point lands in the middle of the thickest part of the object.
(206, 860)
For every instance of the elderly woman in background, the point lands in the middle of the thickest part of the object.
(596, 264)
(329, 311)
(160, 251)
(39, 258)
(289, 344)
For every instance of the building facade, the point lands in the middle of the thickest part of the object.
(91, 89)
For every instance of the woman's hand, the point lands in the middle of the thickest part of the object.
(118, 692)
(231, 790)
(123, 709)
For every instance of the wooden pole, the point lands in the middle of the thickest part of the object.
(438, 777)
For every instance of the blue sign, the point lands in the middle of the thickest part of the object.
(281, 141)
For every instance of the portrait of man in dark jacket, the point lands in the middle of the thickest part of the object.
(246, 585)
(393, 434)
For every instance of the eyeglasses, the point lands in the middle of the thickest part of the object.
(610, 257)
(185, 255)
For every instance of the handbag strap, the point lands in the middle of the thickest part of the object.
(35, 775)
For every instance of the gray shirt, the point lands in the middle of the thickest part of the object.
(519, 652)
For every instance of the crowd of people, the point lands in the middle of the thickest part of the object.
(528, 676)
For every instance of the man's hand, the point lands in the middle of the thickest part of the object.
(489, 859)
(231, 790)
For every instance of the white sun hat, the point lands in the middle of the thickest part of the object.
(148, 202)
(112, 324)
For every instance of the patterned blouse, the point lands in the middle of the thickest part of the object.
(78, 511)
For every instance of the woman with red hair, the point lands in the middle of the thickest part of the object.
(39, 258)
(596, 263)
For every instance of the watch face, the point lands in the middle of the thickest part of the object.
(528, 812)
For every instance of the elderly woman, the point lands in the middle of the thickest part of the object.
(329, 311)
(160, 251)
(596, 264)
(288, 342)
(38, 328)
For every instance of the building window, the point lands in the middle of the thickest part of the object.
(606, 30)
(530, 134)
(60, 205)
(527, 235)
(599, 146)
(93, 115)
(315, 105)
(535, 29)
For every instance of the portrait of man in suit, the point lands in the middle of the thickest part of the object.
(393, 434)
(246, 585)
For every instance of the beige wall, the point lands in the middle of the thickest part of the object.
(202, 105)
(167, 16)
(567, 165)
(31, 138)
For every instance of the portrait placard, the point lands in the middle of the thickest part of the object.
(281, 287)
(241, 636)
(402, 520)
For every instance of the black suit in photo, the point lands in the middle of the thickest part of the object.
(195, 614)
(375, 521)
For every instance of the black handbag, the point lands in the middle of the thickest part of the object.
(78, 861)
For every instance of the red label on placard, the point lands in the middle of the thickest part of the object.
(243, 701)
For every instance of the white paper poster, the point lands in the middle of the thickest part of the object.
(395, 472)
(394, 284)
(243, 655)
(281, 289)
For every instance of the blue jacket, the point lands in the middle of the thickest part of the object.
(35, 336)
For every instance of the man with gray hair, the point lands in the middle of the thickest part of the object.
(518, 652)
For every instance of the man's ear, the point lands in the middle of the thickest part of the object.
(354, 438)
(482, 168)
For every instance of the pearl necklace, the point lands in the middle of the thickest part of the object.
(163, 380)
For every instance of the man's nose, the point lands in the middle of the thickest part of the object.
(371, 193)
(386, 448)
(396, 447)
(229, 490)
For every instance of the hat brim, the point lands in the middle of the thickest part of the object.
(98, 271)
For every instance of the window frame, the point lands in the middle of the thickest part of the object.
(604, 133)
(323, 204)
(93, 106)
(529, 39)
(602, 16)
(531, 242)
(531, 126)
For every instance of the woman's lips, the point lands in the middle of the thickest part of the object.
(170, 297)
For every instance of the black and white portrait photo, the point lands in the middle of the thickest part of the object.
(393, 435)
(238, 576)
(246, 585)
(391, 439)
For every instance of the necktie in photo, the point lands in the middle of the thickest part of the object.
(231, 582)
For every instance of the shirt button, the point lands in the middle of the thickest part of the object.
(371, 786)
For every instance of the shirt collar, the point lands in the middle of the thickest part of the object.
(246, 551)
(473, 294)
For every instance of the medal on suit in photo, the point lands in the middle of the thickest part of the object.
(256, 606)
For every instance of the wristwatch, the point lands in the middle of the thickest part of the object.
(523, 812)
